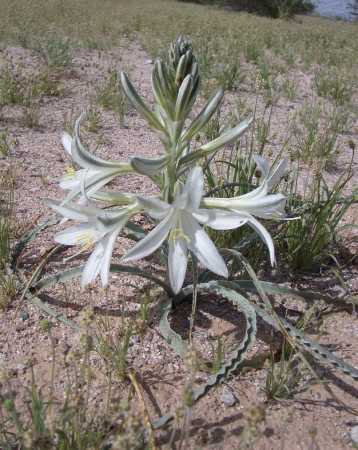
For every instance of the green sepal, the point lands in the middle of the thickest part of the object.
(204, 116)
(216, 144)
(147, 166)
(139, 105)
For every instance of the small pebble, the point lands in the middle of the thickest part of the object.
(227, 397)
(24, 315)
(354, 434)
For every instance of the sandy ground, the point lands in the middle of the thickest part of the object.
(311, 420)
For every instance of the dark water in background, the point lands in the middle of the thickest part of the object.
(334, 8)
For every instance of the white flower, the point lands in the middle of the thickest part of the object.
(94, 173)
(97, 227)
(180, 224)
(269, 174)
(258, 203)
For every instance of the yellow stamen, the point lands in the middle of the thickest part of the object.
(85, 240)
(70, 172)
(178, 233)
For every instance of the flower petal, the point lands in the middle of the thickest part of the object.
(79, 234)
(177, 263)
(155, 207)
(219, 219)
(108, 243)
(202, 246)
(193, 188)
(271, 175)
(90, 182)
(93, 265)
(152, 241)
(277, 173)
(269, 207)
(263, 165)
(265, 236)
(73, 181)
(74, 212)
(66, 140)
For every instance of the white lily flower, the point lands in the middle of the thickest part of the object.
(258, 203)
(94, 173)
(271, 175)
(180, 224)
(97, 227)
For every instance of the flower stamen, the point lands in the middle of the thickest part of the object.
(177, 234)
(70, 172)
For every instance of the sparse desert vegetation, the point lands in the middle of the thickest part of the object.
(165, 357)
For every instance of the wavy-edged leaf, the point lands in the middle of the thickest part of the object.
(67, 275)
(172, 338)
(294, 335)
(276, 289)
(28, 237)
(180, 346)
(36, 301)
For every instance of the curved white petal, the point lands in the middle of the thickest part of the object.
(277, 173)
(66, 140)
(219, 219)
(177, 263)
(271, 206)
(193, 188)
(152, 241)
(271, 175)
(252, 196)
(202, 246)
(90, 182)
(93, 265)
(82, 234)
(108, 243)
(265, 236)
(73, 181)
(68, 213)
(260, 191)
(263, 165)
(75, 212)
(155, 207)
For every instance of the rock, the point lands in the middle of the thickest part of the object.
(20, 367)
(227, 397)
(24, 315)
(135, 340)
(354, 434)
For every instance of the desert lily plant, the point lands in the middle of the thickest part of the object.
(181, 210)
